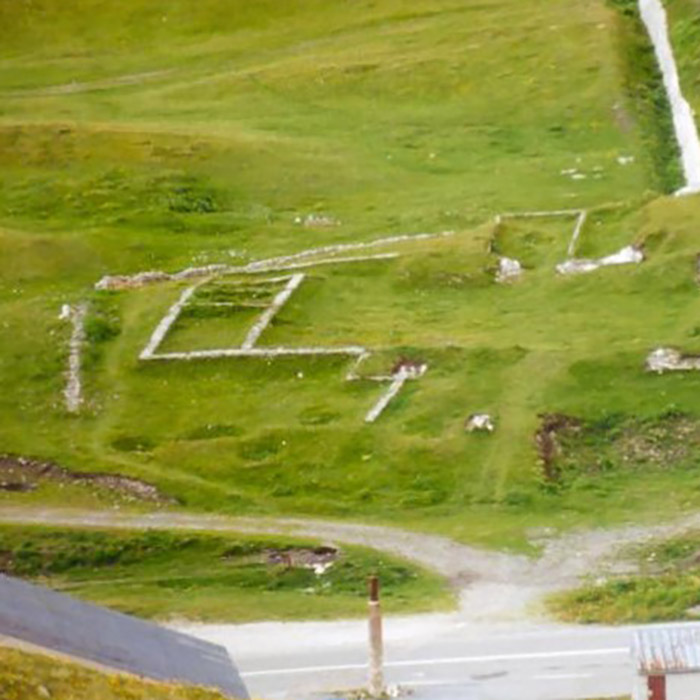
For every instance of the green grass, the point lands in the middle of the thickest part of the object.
(685, 31)
(665, 589)
(391, 117)
(206, 577)
(28, 675)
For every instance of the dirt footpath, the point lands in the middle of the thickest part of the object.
(493, 586)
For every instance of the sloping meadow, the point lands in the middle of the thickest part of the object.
(147, 136)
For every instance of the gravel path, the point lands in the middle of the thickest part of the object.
(493, 586)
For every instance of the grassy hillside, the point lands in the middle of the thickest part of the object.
(666, 587)
(206, 577)
(145, 135)
(24, 675)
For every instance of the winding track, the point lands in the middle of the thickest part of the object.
(495, 645)
(494, 586)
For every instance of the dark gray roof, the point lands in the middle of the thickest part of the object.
(63, 624)
(667, 649)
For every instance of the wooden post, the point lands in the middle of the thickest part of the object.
(656, 686)
(376, 646)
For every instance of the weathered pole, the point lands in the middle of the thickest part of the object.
(376, 645)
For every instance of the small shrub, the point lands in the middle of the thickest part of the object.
(133, 443)
(100, 329)
(212, 431)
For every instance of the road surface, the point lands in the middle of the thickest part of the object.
(436, 656)
(496, 646)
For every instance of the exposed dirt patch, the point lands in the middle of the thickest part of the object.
(408, 364)
(22, 474)
(571, 449)
(302, 557)
(548, 446)
(662, 444)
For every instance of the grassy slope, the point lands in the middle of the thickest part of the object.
(392, 117)
(666, 588)
(208, 577)
(24, 675)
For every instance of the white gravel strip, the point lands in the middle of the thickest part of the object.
(654, 17)
(394, 388)
(257, 352)
(73, 390)
(277, 303)
(398, 380)
(342, 247)
(628, 255)
(577, 233)
(322, 261)
(166, 323)
(284, 262)
(537, 214)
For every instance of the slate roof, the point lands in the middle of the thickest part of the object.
(57, 622)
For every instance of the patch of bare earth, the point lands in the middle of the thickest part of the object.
(23, 474)
(548, 445)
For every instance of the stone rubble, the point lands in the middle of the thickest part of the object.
(509, 269)
(626, 256)
(671, 360)
(480, 422)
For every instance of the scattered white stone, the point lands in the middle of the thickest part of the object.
(626, 256)
(480, 422)
(625, 160)
(508, 269)
(65, 313)
(670, 360)
(320, 568)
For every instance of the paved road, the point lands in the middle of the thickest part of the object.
(437, 656)
(493, 647)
